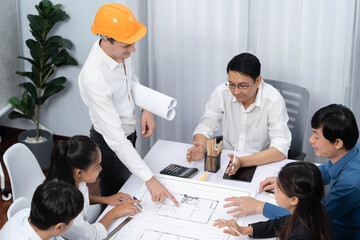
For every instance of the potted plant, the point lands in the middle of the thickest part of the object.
(47, 54)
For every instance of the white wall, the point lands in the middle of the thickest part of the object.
(9, 37)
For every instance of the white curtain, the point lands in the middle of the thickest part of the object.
(308, 43)
(353, 92)
(189, 43)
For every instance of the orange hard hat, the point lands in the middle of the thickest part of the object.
(118, 22)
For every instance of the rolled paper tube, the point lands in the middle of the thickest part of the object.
(153, 101)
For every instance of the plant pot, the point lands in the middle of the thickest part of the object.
(42, 151)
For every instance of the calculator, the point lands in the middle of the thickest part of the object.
(178, 171)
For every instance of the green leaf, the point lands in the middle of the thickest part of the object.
(45, 6)
(25, 98)
(40, 27)
(26, 105)
(26, 74)
(64, 59)
(50, 50)
(60, 42)
(14, 101)
(60, 81)
(58, 15)
(33, 76)
(15, 115)
(57, 6)
(35, 49)
(30, 88)
(49, 91)
(59, 59)
(27, 59)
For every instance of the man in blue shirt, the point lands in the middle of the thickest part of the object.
(335, 134)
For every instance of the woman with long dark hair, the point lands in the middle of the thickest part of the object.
(299, 189)
(77, 161)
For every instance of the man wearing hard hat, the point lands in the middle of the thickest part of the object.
(105, 87)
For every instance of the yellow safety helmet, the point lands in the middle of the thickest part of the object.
(118, 22)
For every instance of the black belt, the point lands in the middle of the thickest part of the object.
(131, 137)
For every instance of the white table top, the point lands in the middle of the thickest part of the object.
(164, 153)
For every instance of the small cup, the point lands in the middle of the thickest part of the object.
(212, 164)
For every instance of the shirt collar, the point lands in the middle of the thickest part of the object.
(258, 100)
(111, 63)
(29, 229)
(336, 168)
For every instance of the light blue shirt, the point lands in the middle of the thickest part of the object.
(343, 199)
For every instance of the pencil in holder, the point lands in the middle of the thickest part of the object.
(212, 163)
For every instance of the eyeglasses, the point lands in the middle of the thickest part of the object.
(240, 86)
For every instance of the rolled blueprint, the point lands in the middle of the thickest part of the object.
(153, 101)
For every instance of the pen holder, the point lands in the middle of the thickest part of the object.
(212, 164)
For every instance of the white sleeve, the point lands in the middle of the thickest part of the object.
(82, 230)
(210, 121)
(279, 133)
(103, 110)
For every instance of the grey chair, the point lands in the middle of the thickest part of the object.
(297, 104)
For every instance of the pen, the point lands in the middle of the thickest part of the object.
(234, 158)
(270, 191)
(138, 204)
(236, 231)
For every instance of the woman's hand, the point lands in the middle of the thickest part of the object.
(233, 228)
(244, 205)
(124, 208)
(117, 199)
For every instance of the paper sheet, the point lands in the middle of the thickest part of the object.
(200, 204)
(153, 101)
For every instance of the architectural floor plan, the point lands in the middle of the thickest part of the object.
(200, 203)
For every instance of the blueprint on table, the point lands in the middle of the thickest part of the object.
(200, 203)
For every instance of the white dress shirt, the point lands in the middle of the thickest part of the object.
(106, 91)
(81, 229)
(18, 227)
(261, 126)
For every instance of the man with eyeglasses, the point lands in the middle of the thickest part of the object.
(252, 114)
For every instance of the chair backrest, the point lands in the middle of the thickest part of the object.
(17, 205)
(297, 104)
(24, 171)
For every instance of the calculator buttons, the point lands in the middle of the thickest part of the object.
(179, 171)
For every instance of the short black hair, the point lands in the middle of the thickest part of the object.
(55, 202)
(111, 40)
(245, 64)
(337, 122)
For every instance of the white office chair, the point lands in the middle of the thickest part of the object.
(17, 205)
(24, 171)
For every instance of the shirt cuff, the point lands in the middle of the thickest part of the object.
(203, 130)
(272, 211)
(101, 230)
(283, 148)
(132, 160)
